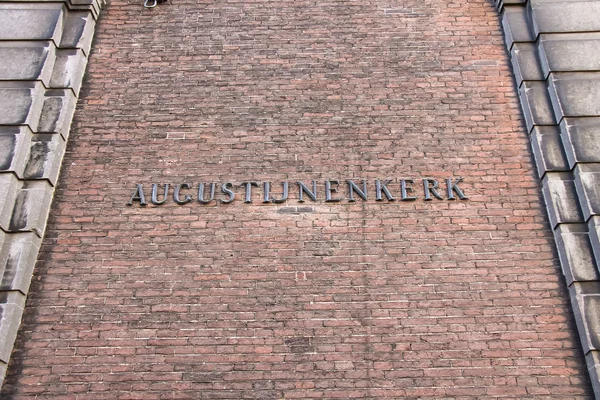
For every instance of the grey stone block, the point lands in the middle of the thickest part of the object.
(18, 254)
(45, 157)
(587, 183)
(9, 187)
(575, 252)
(581, 139)
(548, 149)
(93, 6)
(33, 21)
(565, 16)
(57, 113)
(594, 236)
(27, 61)
(14, 148)
(536, 104)
(592, 359)
(32, 206)
(3, 368)
(21, 103)
(585, 299)
(575, 94)
(3, 255)
(11, 310)
(78, 31)
(525, 63)
(570, 52)
(561, 198)
(516, 25)
(68, 70)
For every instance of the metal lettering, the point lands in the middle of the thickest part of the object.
(284, 196)
(453, 187)
(329, 190)
(187, 198)
(406, 189)
(353, 188)
(155, 194)
(381, 187)
(429, 190)
(266, 192)
(304, 189)
(201, 198)
(248, 196)
(226, 189)
(138, 195)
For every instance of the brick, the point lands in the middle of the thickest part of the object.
(370, 299)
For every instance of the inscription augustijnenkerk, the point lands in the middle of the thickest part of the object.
(327, 190)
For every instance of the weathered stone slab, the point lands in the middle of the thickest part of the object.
(575, 94)
(57, 114)
(78, 31)
(592, 360)
(548, 149)
(561, 198)
(516, 25)
(536, 104)
(3, 254)
(31, 207)
(565, 16)
(585, 298)
(18, 254)
(33, 21)
(11, 310)
(93, 6)
(594, 235)
(21, 103)
(14, 148)
(587, 183)
(9, 187)
(581, 139)
(525, 63)
(575, 252)
(45, 157)
(570, 52)
(68, 70)
(22, 61)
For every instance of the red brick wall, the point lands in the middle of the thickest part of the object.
(423, 299)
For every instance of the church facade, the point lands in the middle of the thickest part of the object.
(302, 199)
